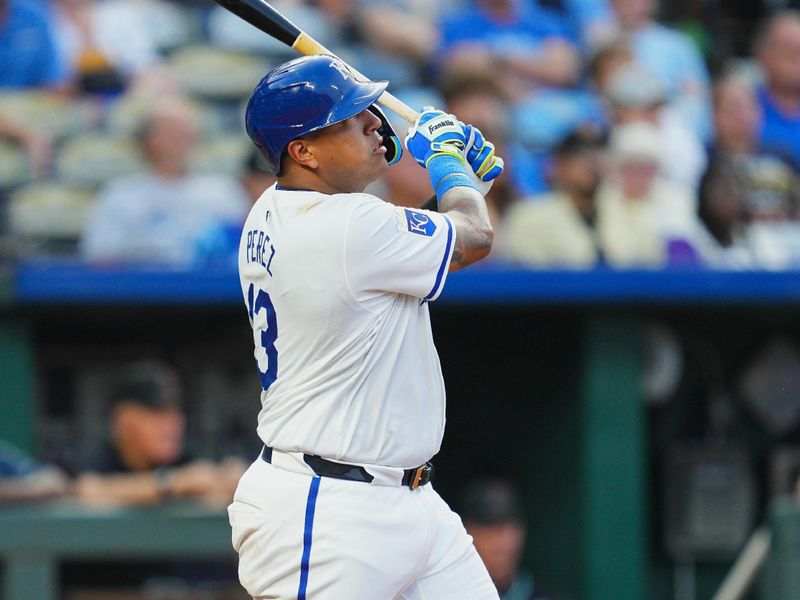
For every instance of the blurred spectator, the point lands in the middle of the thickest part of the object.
(721, 209)
(386, 25)
(29, 52)
(545, 118)
(591, 19)
(159, 216)
(23, 480)
(144, 459)
(772, 188)
(38, 146)
(525, 45)
(103, 46)
(492, 515)
(749, 196)
(635, 95)
(477, 98)
(559, 229)
(227, 30)
(219, 246)
(673, 57)
(606, 61)
(778, 50)
(256, 176)
(643, 220)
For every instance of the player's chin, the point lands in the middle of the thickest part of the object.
(379, 161)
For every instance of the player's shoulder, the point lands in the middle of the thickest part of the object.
(365, 212)
(344, 207)
(355, 201)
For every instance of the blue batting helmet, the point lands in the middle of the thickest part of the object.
(308, 94)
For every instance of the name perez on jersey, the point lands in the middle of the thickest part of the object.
(259, 249)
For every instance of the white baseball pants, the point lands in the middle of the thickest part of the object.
(301, 537)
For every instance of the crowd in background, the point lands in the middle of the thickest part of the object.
(628, 143)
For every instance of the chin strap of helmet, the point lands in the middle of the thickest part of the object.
(394, 148)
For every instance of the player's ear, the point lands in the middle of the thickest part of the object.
(301, 152)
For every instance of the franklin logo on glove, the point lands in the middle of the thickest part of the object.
(439, 125)
(455, 154)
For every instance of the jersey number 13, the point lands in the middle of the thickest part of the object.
(256, 302)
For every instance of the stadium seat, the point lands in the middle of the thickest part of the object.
(217, 75)
(221, 155)
(93, 159)
(126, 115)
(44, 112)
(15, 168)
(48, 218)
(173, 25)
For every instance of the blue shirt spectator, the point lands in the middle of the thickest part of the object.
(29, 54)
(673, 57)
(159, 216)
(589, 21)
(780, 129)
(525, 45)
(589, 14)
(524, 32)
(779, 98)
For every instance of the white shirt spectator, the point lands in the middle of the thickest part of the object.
(684, 156)
(151, 219)
(129, 33)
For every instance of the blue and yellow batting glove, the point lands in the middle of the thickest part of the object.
(479, 153)
(435, 132)
(437, 142)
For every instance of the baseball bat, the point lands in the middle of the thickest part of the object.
(261, 15)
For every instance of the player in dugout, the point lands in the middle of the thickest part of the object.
(337, 284)
(144, 459)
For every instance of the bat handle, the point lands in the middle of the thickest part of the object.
(398, 106)
(305, 44)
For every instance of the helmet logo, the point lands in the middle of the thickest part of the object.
(342, 68)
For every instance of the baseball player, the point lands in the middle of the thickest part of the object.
(338, 505)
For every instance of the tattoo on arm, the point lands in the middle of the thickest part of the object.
(474, 233)
(457, 261)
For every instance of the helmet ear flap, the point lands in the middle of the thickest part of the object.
(394, 148)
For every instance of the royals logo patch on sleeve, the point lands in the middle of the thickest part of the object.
(419, 223)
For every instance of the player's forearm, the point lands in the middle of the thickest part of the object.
(467, 209)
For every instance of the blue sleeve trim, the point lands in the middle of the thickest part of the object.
(311, 505)
(448, 251)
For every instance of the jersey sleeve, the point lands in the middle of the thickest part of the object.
(395, 249)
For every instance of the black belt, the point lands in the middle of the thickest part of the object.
(413, 478)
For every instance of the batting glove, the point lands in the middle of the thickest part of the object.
(437, 142)
(480, 155)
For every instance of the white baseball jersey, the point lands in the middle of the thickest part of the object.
(337, 288)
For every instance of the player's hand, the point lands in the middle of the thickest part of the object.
(435, 133)
(479, 153)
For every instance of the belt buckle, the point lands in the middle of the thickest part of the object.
(421, 476)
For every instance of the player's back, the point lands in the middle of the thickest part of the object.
(335, 288)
